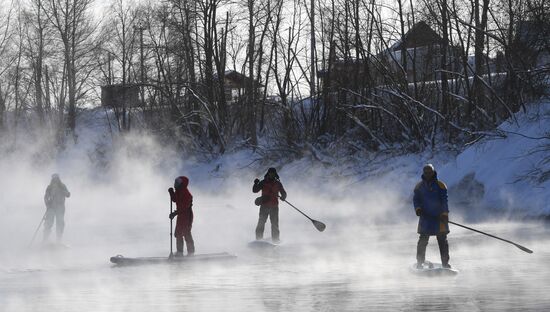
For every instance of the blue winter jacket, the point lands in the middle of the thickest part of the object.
(431, 197)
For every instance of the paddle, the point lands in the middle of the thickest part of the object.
(320, 226)
(527, 250)
(171, 226)
(38, 228)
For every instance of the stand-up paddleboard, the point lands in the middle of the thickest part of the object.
(53, 246)
(433, 269)
(262, 244)
(121, 260)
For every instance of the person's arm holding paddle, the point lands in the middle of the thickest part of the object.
(282, 191)
(173, 214)
(258, 185)
(48, 197)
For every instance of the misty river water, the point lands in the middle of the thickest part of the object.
(331, 271)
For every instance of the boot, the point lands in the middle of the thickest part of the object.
(59, 239)
(190, 243)
(46, 237)
(444, 250)
(421, 248)
(179, 247)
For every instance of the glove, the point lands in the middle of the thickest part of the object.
(171, 190)
(283, 197)
(444, 218)
(173, 214)
(418, 212)
(256, 181)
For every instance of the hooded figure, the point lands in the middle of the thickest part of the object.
(430, 204)
(271, 187)
(184, 201)
(54, 199)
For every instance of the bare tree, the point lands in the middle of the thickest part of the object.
(250, 121)
(5, 61)
(38, 36)
(122, 28)
(75, 28)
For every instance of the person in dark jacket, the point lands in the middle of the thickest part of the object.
(271, 187)
(54, 198)
(430, 204)
(184, 203)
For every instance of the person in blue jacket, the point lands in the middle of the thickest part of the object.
(430, 204)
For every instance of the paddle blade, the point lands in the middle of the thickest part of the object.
(320, 226)
(527, 250)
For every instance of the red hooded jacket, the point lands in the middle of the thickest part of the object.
(184, 200)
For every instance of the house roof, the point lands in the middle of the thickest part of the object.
(420, 35)
(237, 79)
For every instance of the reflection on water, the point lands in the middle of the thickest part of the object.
(368, 273)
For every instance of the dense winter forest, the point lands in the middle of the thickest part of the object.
(279, 76)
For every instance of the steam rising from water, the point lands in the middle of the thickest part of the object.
(359, 263)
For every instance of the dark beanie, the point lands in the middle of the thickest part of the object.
(273, 171)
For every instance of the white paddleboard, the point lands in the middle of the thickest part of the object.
(53, 246)
(433, 269)
(261, 244)
(121, 260)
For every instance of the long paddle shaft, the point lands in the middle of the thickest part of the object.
(320, 226)
(38, 228)
(171, 226)
(527, 250)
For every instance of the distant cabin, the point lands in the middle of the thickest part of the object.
(127, 95)
(423, 47)
(118, 96)
(344, 74)
(235, 85)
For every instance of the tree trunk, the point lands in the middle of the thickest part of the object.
(444, 59)
(251, 88)
(479, 47)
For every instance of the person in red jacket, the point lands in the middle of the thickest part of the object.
(184, 202)
(270, 186)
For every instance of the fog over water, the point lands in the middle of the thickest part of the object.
(360, 263)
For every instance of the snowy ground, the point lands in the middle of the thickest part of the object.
(502, 164)
(359, 263)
